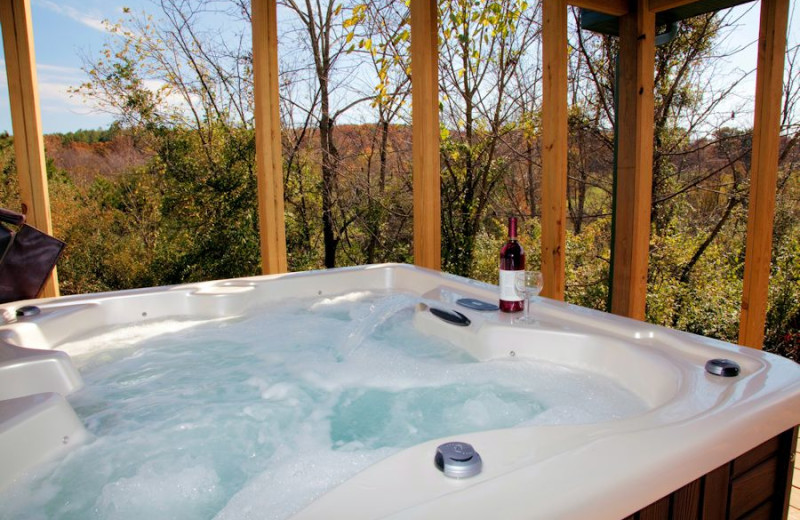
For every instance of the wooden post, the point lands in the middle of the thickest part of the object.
(425, 134)
(554, 146)
(763, 171)
(269, 165)
(634, 161)
(26, 121)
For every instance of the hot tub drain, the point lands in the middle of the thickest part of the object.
(458, 460)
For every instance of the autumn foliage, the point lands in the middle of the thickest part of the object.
(167, 194)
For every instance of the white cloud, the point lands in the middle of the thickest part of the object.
(171, 98)
(61, 70)
(54, 84)
(91, 20)
(60, 110)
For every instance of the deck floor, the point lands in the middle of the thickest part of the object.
(794, 498)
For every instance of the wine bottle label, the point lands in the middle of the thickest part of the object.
(508, 291)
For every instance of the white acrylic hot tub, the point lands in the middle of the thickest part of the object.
(609, 469)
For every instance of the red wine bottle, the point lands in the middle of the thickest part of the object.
(512, 259)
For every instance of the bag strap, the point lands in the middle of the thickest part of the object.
(12, 217)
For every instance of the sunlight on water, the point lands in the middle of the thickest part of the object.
(256, 416)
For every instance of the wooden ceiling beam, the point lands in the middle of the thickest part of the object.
(662, 5)
(612, 7)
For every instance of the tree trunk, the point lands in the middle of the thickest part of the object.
(330, 161)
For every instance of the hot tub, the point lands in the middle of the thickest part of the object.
(693, 450)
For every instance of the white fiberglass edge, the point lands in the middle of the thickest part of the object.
(695, 421)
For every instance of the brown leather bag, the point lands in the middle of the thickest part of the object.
(28, 257)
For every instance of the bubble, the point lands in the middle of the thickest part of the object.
(255, 416)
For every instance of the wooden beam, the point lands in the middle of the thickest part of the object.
(634, 161)
(612, 7)
(763, 171)
(269, 166)
(26, 121)
(662, 5)
(425, 134)
(554, 146)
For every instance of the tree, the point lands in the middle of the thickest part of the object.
(482, 44)
(182, 88)
(382, 31)
(179, 88)
(322, 35)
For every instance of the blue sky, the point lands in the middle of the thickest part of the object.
(65, 31)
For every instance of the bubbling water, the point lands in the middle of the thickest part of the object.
(256, 416)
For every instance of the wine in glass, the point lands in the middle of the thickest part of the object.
(528, 283)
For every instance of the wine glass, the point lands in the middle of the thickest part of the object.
(528, 283)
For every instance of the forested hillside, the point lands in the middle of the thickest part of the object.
(168, 194)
